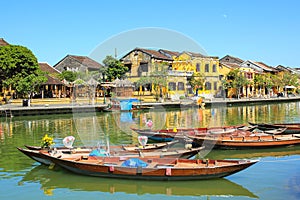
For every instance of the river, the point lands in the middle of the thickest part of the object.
(275, 176)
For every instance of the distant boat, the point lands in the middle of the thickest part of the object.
(162, 169)
(251, 141)
(167, 135)
(291, 128)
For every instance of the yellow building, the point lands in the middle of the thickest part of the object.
(143, 62)
(208, 66)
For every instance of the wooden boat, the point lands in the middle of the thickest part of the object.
(38, 155)
(166, 135)
(291, 128)
(276, 131)
(60, 180)
(131, 148)
(151, 168)
(252, 141)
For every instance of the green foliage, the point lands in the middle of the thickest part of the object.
(68, 75)
(19, 69)
(157, 78)
(290, 79)
(113, 68)
(236, 79)
(197, 80)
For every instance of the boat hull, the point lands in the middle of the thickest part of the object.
(166, 173)
(290, 128)
(249, 142)
(39, 155)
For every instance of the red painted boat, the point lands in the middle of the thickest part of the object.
(250, 141)
(38, 155)
(151, 168)
(166, 135)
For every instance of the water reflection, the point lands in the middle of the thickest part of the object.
(51, 180)
(255, 153)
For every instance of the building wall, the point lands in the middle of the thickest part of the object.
(70, 64)
(208, 66)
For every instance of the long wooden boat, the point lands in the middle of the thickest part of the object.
(59, 179)
(131, 148)
(291, 128)
(151, 168)
(166, 135)
(252, 141)
(38, 155)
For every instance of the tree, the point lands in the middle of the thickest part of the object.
(19, 69)
(197, 80)
(113, 68)
(68, 75)
(157, 78)
(267, 81)
(237, 80)
(290, 79)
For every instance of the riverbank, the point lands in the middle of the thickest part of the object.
(47, 107)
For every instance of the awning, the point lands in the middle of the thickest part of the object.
(289, 87)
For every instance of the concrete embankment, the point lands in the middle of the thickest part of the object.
(42, 108)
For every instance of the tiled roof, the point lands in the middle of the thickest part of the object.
(193, 54)
(3, 42)
(230, 65)
(168, 53)
(153, 53)
(227, 58)
(265, 67)
(84, 60)
(45, 67)
(198, 55)
(289, 69)
(53, 81)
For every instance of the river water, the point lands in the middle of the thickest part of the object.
(275, 176)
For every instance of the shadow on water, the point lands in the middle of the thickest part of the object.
(58, 178)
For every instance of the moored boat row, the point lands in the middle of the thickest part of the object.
(160, 161)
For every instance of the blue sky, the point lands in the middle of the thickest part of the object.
(266, 31)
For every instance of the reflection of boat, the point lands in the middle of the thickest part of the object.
(151, 168)
(291, 128)
(255, 153)
(51, 180)
(39, 155)
(251, 141)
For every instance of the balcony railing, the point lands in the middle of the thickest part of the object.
(180, 73)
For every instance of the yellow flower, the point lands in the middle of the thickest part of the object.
(47, 141)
